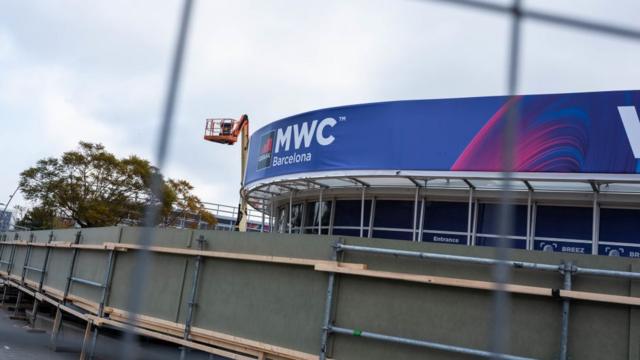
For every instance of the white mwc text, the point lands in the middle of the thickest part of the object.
(303, 135)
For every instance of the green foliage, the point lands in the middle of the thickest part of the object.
(92, 187)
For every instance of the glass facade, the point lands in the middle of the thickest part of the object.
(564, 229)
(393, 219)
(488, 226)
(348, 215)
(317, 214)
(445, 222)
(541, 227)
(619, 232)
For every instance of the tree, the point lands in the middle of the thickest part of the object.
(92, 187)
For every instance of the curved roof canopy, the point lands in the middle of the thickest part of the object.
(560, 142)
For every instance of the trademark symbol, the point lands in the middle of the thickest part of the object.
(342, 118)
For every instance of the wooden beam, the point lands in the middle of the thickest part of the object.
(168, 338)
(485, 285)
(244, 257)
(199, 333)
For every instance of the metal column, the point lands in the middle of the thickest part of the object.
(25, 265)
(372, 216)
(596, 224)
(36, 303)
(564, 335)
(534, 215)
(290, 210)
(470, 216)
(328, 307)
(475, 222)
(57, 323)
(194, 294)
(421, 227)
(320, 206)
(529, 242)
(263, 210)
(332, 216)
(415, 215)
(362, 213)
(106, 288)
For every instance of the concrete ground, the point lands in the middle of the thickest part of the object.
(17, 342)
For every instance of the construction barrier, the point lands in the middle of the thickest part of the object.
(275, 296)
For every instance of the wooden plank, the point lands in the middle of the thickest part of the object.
(85, 341)
(439, 280)
(242, 256)
(172, 339)
(597, 297)
(217, 336)
(484, 285)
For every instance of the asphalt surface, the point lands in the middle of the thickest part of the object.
(17, 342)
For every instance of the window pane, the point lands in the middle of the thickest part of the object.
(395, 235)
(493, 241)
(488, 215)
(448, 216)
(348, 213)
(296, 215)
(620, 225)
(350, 232)
(281, 225)
(394, 214)
(564, 222)
(317, 210)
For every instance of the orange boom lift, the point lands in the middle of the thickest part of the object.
(226, 131)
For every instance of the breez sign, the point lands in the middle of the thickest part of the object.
(296, 136)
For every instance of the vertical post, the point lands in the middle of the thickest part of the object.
(475, 222)
(372, 217)
(595, 224)
(470, 217)
(263, 211)
(320, 208)
(85, 341)
(328, 307)
(36, 302)
(333, 215)
(303, 216)
(192, 298)
(106, 288)
(534, 215)
(564, 336)
(421, 227)
(27, 256)
(290, 209)
(529, 241)
(2, 246)
(362, 213)
(12, 255)
(57, 323)
(272, 214)
(415, 215)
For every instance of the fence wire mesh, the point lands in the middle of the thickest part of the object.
(517, 13)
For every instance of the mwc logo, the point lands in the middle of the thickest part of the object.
(304, 133)
(294, 137)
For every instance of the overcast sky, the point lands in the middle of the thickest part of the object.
(96, 70)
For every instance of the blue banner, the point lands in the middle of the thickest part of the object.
(561, 133)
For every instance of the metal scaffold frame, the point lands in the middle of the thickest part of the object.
(567, 270)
